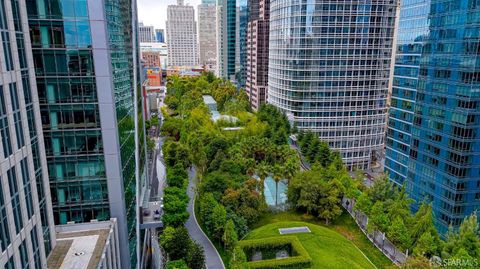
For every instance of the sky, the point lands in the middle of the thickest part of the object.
(154, 12)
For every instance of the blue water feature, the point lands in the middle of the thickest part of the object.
(269, 191)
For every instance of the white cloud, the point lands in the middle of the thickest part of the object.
(154, 12)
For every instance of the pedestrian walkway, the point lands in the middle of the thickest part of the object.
(212, 258)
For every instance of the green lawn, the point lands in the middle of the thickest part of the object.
(327, 248)
(344, 225)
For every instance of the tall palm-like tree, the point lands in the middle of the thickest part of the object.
(262, 173)
(278, 172)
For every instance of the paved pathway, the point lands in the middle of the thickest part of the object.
(212, 258)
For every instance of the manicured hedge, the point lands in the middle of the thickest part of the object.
(301, 260)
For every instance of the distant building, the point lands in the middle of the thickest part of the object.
(160, 35)
(154, 54)
(181, 35)
(146, 33)
(226, 38)
(86, 245)
(207, 36)
(257, 52)
(241, 43)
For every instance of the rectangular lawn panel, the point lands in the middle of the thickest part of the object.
(294, 230)
(299, 257)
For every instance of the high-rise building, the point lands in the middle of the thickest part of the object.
(26, 221)
(433, 135)
(257, 52)
(160, 35)
(329, 68)
(241, 43)
(146, 33)
(85, 63)
(181, 35)
(207, 35)
(226, 38)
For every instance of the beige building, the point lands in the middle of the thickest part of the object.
(207, 36)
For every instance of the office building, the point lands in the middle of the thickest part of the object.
(181, 35)
(433, 135)
(26, 221)
(86, 71)
(146, 33)
(257, 52)
(160, 35)
(226, 39)
(207, 35)
(329, 71)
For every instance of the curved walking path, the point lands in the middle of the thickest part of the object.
(212, 258)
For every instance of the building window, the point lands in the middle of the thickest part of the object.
(7, 51)
(23, 255)
(36, 248)
(4, 130)
(27, 188)
(10, 263)
(16, 207)
(16, 115)
(4, 231)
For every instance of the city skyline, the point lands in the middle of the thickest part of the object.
(154, 13)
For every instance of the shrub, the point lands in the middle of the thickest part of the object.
(301, 259)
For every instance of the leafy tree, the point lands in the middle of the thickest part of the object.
(399, 234)
(207, 204)
(423, 222)
(465, 241)
(378, 218)
(216, 183)
(426, 245)
(230, 236)
(196, 256)
(176, 242)
(330, 207)
(414, 262)
(219, 218)
(364, 203)
(177, 176)
(245, 201)
(176, 264)
(240, 223)
(172, 127)
(175, 213)
(239, 259)
(382, 189)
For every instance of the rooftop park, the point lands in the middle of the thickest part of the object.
(233, 166)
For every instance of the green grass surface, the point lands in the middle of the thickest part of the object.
(327, 248)
(344, 225)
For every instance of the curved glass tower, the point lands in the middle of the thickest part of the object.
(329, 67)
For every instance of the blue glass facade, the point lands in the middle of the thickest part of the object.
(160, 35)
(85, 77)
(433, 135)
(243, 15)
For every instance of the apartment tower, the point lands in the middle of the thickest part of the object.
(329, 66)
(433, 137)
(182, 35)
(84, 55)
(257, 52)
(27, 234)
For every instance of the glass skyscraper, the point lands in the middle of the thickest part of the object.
(329, 66)
(226, 39)
(27, 234)
(85, 66)
(433, 132)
